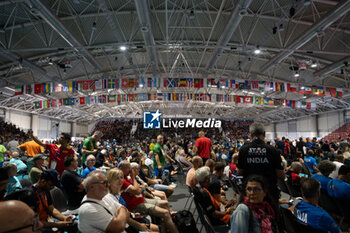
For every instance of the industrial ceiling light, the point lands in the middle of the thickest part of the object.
(314, 65)
(122, 48)
(296, 74)
(257, 50)
(141, 85)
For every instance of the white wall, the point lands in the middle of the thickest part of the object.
(20, 119)
(307, 126)
(82, 130)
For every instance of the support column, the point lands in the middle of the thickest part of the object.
(317, 126)
(74, 129)
(274, 131)
(313, 126)
(34, 124)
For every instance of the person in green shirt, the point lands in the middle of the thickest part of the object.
(158, 157)
(89, 145)
(2, 154)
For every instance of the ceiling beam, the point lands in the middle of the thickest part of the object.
(143, 12)
(338, 11)
(54, 22)
(321, 74)
(231, 26)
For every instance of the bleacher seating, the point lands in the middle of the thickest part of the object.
(342, 132)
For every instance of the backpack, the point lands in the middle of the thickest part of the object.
(184, 222)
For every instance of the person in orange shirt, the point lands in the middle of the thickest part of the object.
(32, 148)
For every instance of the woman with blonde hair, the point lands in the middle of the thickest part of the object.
(137, 223)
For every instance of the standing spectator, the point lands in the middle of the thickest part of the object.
(325, 167)
(38, 168)
(90, 163)
(300, 146)
(63, 151)
(159, 157)
(256, 157)
(286, 151)
(89, 145)
(52, 148)
(31, 147)
(340, 187)
(338, 162)
(203, 146)
(72, 183)
(191, 179)
(153, 143)
(2, 154)
(308, 212)
(310, 161)
(4, 179)
(97, 215)
(280, 145)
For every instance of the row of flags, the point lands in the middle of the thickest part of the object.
(125, 83)
(124, 98)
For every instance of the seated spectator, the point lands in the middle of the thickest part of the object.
(191, 179)
(338, 162)
(13, 183)
(19, 163)
(184, 163)
(90, 163)
(310, 161)
(122, 156)
(38, 168)
(340, 187)
(216, 212)
(307, 211)
(97, 215)
(45, 208)
(293, 177)
(255, 204)
(210, 163)
(4, 179)
(214, 186)
(325, 168)
(21, 219)
(72, 183)
(135, 201)
(115, 178)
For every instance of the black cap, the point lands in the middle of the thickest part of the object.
(51, 174)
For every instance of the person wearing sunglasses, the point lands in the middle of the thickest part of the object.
(22, 218)
(95, 214)
(254, 213)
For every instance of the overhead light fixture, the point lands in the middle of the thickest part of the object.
(257, 50)
(50, 62)
(141, 85)
(304, 96)
(262, 93)
(296, 74)
(223, 87)
(60, 85)
(122, 48)
(314, 65)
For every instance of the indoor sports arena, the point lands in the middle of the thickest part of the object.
(175, 116)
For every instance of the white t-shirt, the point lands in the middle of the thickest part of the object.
(93, 218)
(334, 173)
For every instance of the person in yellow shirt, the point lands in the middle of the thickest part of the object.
(153, 143)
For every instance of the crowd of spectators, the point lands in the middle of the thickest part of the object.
(114, 184)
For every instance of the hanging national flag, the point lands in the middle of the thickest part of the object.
(111, 83)
(160, 96)
(247, 100)
(308, 90)
(132, 83)
(82, 100)
(279, 86)
(254, 84)
(183, 82)
(60, 102)
(87, 100)
(37, 89)
(71, 101)
(320, 90)
(85, 85)
(257, 100)
(131, 97)
(66, 101)
(239, 99)
(277, 102)
(164, 82)
(111, 98)
(93, 99)
(267, 86)
(54, 103)
(98, 84)
(198, 83)
(18, 90)
(79, 85)
(28, 89)
(190, 83)
(71, 85)
(37, 104)
(247, 85)
(292, 87)
(339, 93)
(261, 85)
(125, 83)
(92, 84)
(77, 101)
